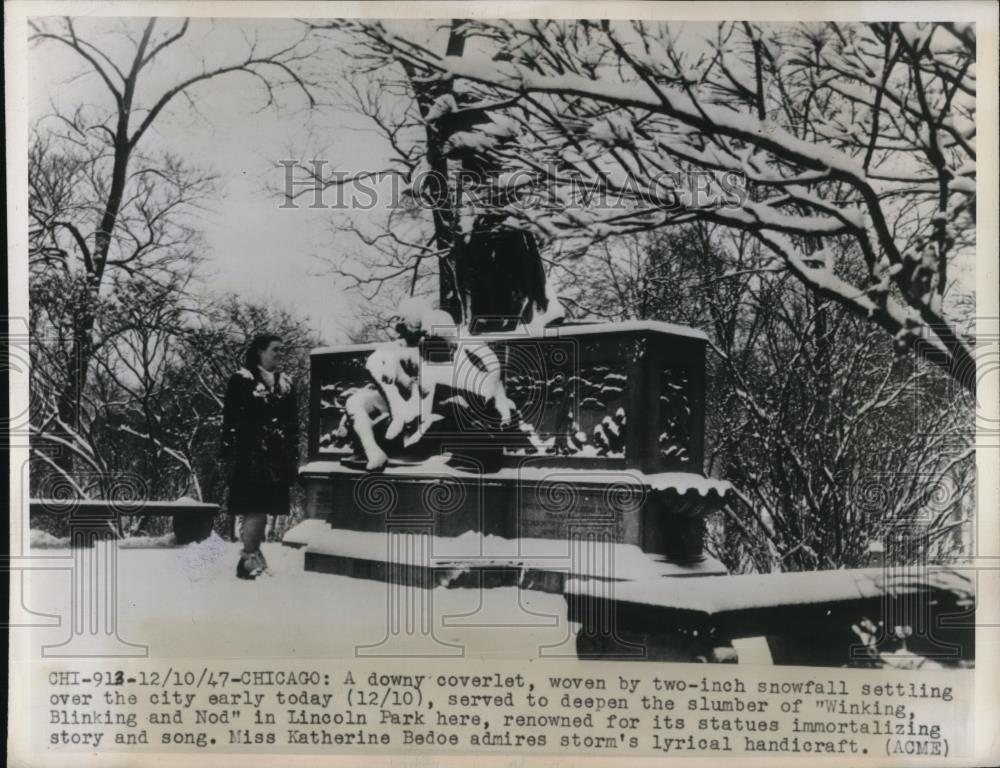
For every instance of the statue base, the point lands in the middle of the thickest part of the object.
(432, 524)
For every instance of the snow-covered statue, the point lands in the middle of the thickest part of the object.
(432, 353)
(497, 285)
(364, 409)
(501, 273)
(499, 281)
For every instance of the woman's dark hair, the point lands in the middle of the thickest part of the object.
(260, 342)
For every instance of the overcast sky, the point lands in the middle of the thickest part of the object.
(251, 245)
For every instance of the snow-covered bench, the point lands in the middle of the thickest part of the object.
(806, 618)
(192, 520)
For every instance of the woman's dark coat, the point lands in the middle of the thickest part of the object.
(259, 443)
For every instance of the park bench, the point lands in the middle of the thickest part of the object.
(192, 520)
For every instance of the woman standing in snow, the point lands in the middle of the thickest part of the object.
(259, 446)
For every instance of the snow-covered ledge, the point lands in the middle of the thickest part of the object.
(680, 482)
(469, 559)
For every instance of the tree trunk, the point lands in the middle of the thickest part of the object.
(443, 214)
(81, 351)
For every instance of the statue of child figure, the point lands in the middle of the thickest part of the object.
(431, 353)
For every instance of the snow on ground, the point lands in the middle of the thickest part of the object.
(187, 602)
(45, 540)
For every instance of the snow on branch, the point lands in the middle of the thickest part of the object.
(863, 134)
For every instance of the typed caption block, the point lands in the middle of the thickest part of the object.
(472, 707)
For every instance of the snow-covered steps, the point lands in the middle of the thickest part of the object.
(474, 560)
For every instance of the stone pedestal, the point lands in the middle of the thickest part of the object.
(608, 451)
(531, 507)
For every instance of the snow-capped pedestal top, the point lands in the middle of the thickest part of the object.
(555, 332)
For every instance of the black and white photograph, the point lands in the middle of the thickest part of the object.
(411, 341)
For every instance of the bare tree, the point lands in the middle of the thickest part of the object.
(109, 218)
(833, 442)
(147, 269)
